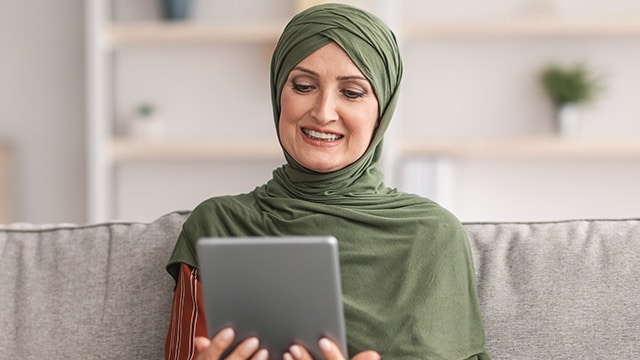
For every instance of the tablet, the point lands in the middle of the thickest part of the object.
(284, 290)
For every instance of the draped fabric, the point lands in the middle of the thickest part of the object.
(407, 273)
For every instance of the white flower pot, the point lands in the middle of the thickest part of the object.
(149, 127)
(569, 120)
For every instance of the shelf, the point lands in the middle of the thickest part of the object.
(522, 27)
(524, 147)
(124, 149)
(151, 33)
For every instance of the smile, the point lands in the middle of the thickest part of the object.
(316, 135)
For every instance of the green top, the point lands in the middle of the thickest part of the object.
(407, 273)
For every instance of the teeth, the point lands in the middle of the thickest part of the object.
(321, 136)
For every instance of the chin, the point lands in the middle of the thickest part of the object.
(321, 168)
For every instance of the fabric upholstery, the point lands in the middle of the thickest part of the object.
(556, 290)
(86, 292)
(559, 290)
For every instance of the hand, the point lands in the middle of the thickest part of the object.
(330, 351)
(213, 349)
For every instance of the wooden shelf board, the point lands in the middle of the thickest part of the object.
(523, 27)
(124, 149)
(192, 32)
(524, 147)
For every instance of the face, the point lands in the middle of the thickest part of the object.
(328, 111)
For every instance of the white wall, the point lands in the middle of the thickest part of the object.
(42, 111)
(42, 106)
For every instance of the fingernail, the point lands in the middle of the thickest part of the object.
(324, 344)
(226, 334)
(287, 356)
(251, 345)
(263, 354)
(295, 351)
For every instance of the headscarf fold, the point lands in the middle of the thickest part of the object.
(407, 275)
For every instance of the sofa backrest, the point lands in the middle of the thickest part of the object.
(559, 290)
(86, 292)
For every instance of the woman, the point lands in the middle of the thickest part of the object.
(407, 273)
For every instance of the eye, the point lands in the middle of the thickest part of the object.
(351, 94)
(302, 88)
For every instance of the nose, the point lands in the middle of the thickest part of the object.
(325, 108)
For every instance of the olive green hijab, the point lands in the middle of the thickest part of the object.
(373, 48)
(407, 274)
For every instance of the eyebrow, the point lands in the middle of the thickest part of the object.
(346, 77)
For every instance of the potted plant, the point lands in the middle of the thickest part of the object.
(146, 124)
(569, 88)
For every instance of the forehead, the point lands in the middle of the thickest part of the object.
(331, 57)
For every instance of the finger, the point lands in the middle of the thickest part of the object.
(211, 350)
(297, 352)
(202, 343)
(245, 349)
(367, 355)
(330, 350)
(261, 354)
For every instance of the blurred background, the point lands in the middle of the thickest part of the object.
(115, 109)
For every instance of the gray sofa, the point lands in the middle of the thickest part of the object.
(554, 290)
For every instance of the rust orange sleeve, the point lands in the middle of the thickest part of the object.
(187, 316)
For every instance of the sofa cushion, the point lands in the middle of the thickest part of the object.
(559, 290)
(86, 292)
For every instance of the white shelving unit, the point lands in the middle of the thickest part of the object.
(523, 27)
(107, 150)
(149, 33)
(181, 150)
(436, 159)
(548, 147)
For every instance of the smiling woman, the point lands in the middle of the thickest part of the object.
(407, 275)
(329, 111)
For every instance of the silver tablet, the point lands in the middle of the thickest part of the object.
(284, 290)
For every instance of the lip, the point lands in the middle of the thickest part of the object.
(321, 143)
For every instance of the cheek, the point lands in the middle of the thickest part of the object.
(287, 116)
(371, 119)
(287, 107)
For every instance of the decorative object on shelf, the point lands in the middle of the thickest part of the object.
(176, 9)
(146, 124)
(569, 88)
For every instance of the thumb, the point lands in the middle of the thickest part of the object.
(202, 343)
(367, 355)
